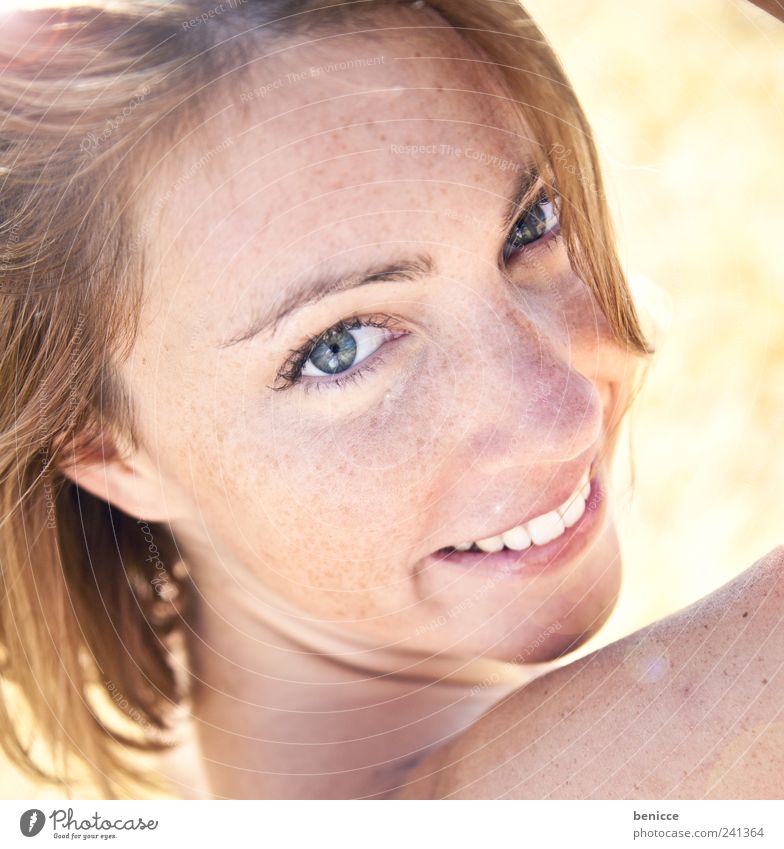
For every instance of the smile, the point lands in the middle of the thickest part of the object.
(541, 543)
(541, 529)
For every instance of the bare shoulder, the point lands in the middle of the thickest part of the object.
(689, 707)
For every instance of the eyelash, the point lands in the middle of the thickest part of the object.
(547, 238)
(290, 372)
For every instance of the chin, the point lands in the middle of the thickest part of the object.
(550, 643)
(557, 632)
(560, 643)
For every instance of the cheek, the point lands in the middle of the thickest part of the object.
(567, 310)
(572, 319)
(316, 507)
(363, 477)
(590, 335)
(306, 497)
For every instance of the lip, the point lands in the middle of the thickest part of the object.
(557, 501)
(537, 558)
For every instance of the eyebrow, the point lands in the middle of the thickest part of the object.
(316, 287)
(309, 291)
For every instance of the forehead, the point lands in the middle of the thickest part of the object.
(323, 150)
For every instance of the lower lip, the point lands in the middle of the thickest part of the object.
(538, 558)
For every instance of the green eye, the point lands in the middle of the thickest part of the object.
(535, 222)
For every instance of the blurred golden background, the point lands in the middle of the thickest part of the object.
(687, 103)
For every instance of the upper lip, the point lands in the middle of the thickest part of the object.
(561, 493)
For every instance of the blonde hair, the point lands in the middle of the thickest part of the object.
(83, 617)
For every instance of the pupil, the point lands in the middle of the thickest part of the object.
(531, 226)
(334, 352)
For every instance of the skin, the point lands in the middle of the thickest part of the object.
(503, 387)
(502, 391)
(691, 707)
(687, 708)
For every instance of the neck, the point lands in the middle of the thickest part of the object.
(289, 707)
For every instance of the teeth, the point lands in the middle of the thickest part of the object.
(546, 528)
(490, 544)
(540, 530)
(518, 539)
(572, 511)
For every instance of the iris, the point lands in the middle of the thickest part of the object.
(531, 226)
(335, 351)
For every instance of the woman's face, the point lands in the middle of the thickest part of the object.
(473, 395)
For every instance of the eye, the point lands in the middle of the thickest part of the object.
(336, 351)
(535, 222)
(342, 347)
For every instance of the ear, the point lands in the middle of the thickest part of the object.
(126, 477)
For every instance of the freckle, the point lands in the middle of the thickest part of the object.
(764, 680)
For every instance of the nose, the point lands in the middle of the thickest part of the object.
(527, 402)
